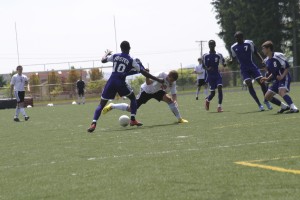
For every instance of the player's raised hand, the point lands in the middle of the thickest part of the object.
(263, 79)
(108, 52)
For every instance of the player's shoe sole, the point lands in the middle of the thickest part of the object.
(135, 123)
(282, 110)
(107, 108)
(220, 109)
(92, 128)
(182, 121)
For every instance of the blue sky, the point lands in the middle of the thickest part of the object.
(162, 33)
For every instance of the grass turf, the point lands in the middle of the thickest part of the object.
(51, 156)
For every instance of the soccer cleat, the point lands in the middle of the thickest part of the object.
(261, 108)
(92, 127)
(26, 118)
(197, 98)
(182, 121)
(206, 104)
(220, 109)
(16, 119)
(269, 106)
(293, 111)
(135, 123)
(283, 109)
(107, 108)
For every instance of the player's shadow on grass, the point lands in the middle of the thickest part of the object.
(130, 128)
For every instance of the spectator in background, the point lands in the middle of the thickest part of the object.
(80, 90)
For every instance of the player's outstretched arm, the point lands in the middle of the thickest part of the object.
(148, 75)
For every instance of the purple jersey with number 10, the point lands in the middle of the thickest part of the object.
(123, 64)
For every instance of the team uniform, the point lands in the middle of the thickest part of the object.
(123, 65)
(201, 75)
(155, 90)
(243, 52)
(19, 82)
(276, 65)
(213, 60)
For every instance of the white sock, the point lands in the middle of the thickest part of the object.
(22, 110)
(293, 107)
(83, 99)
(120, 106)
(283, 105)
(175, 110)
(219, 105)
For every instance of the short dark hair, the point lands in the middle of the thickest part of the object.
(211, 42)
(239, 34)
(19, 66)
(125, 46)
(173, 74)
(268, 44)
(199, 59)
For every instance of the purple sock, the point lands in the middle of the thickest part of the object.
(287, 99)
(253, 94)
(97, 112)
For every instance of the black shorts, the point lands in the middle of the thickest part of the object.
(143, 97)
(81, 92)
(201, 82)
(20, 95)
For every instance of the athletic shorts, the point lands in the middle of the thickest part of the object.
(214, 82)
(80, 92)
(20, 95)
(201, 82)
(143, 97)
(113, 87)
(251, 72)
(284, 83)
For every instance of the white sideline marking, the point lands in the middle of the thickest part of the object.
(152, 153)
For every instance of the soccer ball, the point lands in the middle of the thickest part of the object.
(124, 120)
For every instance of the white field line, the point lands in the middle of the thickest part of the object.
(136, 155)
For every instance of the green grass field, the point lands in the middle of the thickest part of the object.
(238, 154)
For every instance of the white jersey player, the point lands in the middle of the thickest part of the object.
(155, 90)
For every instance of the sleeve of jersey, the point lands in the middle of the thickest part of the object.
(232, 52)
(281, 58)
(110, 58)
(137, 67)
(12, 81)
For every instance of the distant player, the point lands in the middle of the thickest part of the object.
(278, 73)
(201, 78)
(17, 85)
(154, 90)
(243, 50)
(80, 90)
(123, 64)
(211, 62)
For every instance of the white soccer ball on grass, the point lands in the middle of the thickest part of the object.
(124, 120)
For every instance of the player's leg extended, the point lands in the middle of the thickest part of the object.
(253, 93)
(264, 89)
(133, 110)
(174, 108)
(97, 114)
(283, 92)
(220, 98)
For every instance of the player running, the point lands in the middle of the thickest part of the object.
(154, 90)
(123, 65)
(201, 78)
(243, 50)
(211, 62)
(278, 69)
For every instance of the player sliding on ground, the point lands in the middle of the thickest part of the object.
(123, 65)
(154, 90)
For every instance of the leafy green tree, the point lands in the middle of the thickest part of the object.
(2, 81)
(53, 80)
(34, 82)
(96, 74)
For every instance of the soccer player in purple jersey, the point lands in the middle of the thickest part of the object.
(123, 65)
(278, 69)
(243, 50)
(211, 62)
